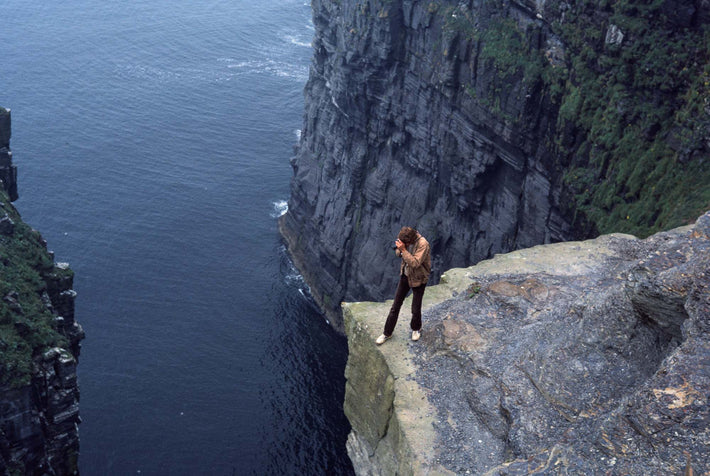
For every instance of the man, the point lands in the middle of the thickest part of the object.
(414, 272)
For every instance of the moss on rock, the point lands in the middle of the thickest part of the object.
(27, 324)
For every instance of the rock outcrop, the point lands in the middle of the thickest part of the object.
(588, 357)
(39, 344)
(492, 126)
(8, 171)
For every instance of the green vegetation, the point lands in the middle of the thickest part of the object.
(640, 109)
(456, 20)
(26, 325)
(505, 46)
(633, 115)
(507, 50)
(473, 289)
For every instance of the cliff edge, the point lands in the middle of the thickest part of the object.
(588, 357)
(491, 126)
(39, 343)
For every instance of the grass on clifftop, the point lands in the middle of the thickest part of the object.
(634, 118)
(634, 115)
(26, 325)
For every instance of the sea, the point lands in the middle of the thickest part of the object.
(152, 140)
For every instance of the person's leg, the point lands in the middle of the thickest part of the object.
(417, 296)
(399, 295)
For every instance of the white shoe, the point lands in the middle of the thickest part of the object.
(381, 340)
(416, 335)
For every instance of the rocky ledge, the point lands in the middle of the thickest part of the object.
(588, 357)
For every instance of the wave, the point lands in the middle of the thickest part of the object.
(280, 208)
(162, 76)
(298, 42)
(271, 67)
(293, 279)
(281, 60)
(291, 274)
(148, 72)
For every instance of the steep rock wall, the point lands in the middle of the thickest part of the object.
(571, 358)
(490, 126)
(391, 137)
(39, 344)
(8, 171)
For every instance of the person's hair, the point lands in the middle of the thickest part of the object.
(407, 235)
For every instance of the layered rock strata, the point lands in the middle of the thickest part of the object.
(491, 126)
(390, 138)
(39, 344)
(588, 357)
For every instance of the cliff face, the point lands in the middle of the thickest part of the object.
(584, 357)
(39, 344)
(391, 138)
(8, 171)
(490, 126)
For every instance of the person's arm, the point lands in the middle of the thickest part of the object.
(414, 260)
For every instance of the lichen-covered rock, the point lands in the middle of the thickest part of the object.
(585, 357)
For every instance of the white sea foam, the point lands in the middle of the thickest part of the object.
(235, 68)
(280, 208)
(246, 64)
(298, 134)
(298, 41)
(271, 67)
(294, 278)
(292, 275)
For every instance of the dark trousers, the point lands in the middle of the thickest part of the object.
(417, 295)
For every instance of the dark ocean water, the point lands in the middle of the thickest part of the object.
(152, 139)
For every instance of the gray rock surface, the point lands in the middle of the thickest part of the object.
(393, 136)
(587, 357)
(489, 126)
(5, 128)
(8, 171)
(39, 422)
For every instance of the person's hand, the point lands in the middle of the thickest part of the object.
(400, 246)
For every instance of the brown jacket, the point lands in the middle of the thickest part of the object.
(416, 264)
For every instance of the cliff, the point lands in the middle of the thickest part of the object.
(588, 357)
(492, 126)
(8, 171)
(39, 343)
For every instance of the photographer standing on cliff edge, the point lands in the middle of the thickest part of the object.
(413, 274)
